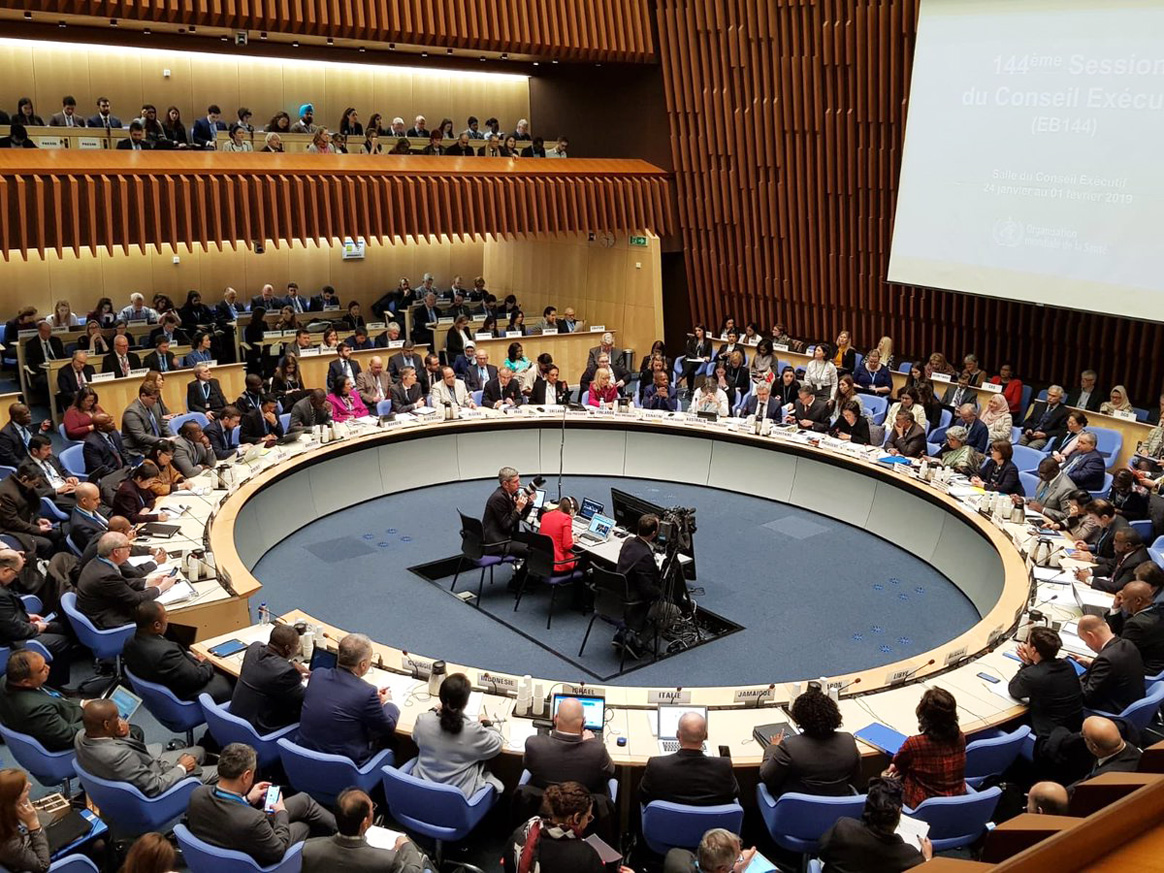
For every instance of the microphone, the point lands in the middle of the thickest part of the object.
(848, 684)
(906, 677)
(762, 694)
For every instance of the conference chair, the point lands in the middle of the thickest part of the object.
(1030, 483)
(1144, 528)
(50, 769)
(1108, 442)
(992, 756)
(226, 728)
(324, 776)
(1102, 493)
(32, 645)
(70, 442)
(174, 714)
(1025, 400)
(668, 825)
(6, 471)
(473, 548)
(1141, 713)
(73, 460)
(611, 600)
(796, 822)
(49, 510)
(128, 812)
(69, 864)
(956, 821)
(876, 407)
(540, 564)
(105, 645)
(1141, 414)
(73, 547)
(178, 420)
(201, 857)
(440, 812)
(1026, 458)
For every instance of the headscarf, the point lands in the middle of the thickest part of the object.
(995, 409)
(1126, 406)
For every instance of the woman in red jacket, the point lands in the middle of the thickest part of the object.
(557, 525)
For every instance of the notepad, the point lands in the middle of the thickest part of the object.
(912, 831)
(382, 838)
(882, 737)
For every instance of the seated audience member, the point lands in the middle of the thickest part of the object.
(343, 714)
(169, 478)
(552, 841)
(1112, 753)
(719, 851)
(136, 574)
(1077, 523)
(28, 706)
(374, 384)
(74, 377)
(809, 411)
(549, 387)
(451, 391)
(345, 402)
(59, 484)
(1103, 553)
(1128, 553)
(958, 456)
(961, 393)
(15, 435)
(193, 452)
(504, 391)
(711, 396)
(269, 693)
(161, 358)
(78, 417)
(252, 396)
(1047, 798)
(349, 850)
(851, 426)
(1086, 466)
(1114, 678)
(203, 393)
(1012, 388)
(568, 753)
(20, 494)
(821, 759)
(658, 395)
(689, 776)
(152, 657)
(143, 423)
(1049, 684)
(996, 416)
(343, 367)
(1129, 499)
(17, 625)
(107, 749)
(1088, 395)
(977, 434)
(230, 814)
(999, 472)
(932, 763)
(23, 843)
(1117, 402)
(1052, 491)
(1046, 421)
(872, 845)
(1135, 617)
(135, 498)
(906, 438)
(219, 431)
(846, 393)
(86, 520)
(907, 399)
(452, 746)
(121, 361)
(105, 595)
(314, 410)
(618, 373)
(873, 377)
(261, 425)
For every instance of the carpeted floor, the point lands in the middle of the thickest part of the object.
(815, 596)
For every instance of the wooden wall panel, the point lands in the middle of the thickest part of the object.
(594, 30)
(787, 122)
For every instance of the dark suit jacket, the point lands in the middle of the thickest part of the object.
(304, 415)
(219, 440)
(33, 711)
(472, 377)
(109, 363)
(1144, 630)
(492, 392)
(67, 381)
(636, 561)
(335, 370)
(421, 332)
(34, 352)
(850, 845)
(222, 310)
(1120, 573)
(83, 528)
(689, 777)
(1056, 698)
(1104, 547)
(340, 854)
(556, 757)
(107, 597)
(541, 388)
(500, 519)
(201, 133)
(127, 144)
(1115, 679)
(812, 766)
(14, 623)
(101, 458)
(407, 399)
(229, 824)
(1003, 477)
(396, 363)
(1098, 396)
(196, 401)
(342, 715)
(1126, 760)
(12, 448)
(1087, 470)
(153, 359)
(1056, 426)
(817, 412)
(114, 123)
(19, 509)
(157, 659)
(978, 435)
(912, 445)
(269, 693)
(253, 427)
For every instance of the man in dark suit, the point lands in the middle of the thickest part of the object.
(267, 299)
(326, 300)
(1111, 575)
(1112, 753)
(38, 350)
(1049, 683)
(161, 358)
(1047, 420)
(689, 776)
(20, 496)
(1086, 467)
(28, 706)
(314, 410)
(121, 360)
(809, 412)
(204, 133)
(1140, 621)
(269, 692)
(960, 393)
(424, 315)
(349, 851)
(604, 347)
(15, 436)
(569, 753)
(636, 561)
(73, 378)
(480, 372)
(261, 425)
(219, 432)
(252, 396)
(230, 815)
(137, 141)
(1114, 679)
(152, 657)
(168, 328)
(407, 394)
(86, 520)
(104, 452)
(17, 625)
(231, 307)
(343, 714)
(204, 394)
(763, 405)
(977, 433)
(501, 391)
(104, 117)
(343, 367)
(1088, 395)
(905, 436)
(105, 595)
(68, 116)
(1103, 551)
(406, 357)
(59, 484)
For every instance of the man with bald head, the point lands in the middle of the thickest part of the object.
(17, 625)
(1112, 753)
(1114, 678)
(149, 655)
(120, 524)
(86, 520)
(568, 753)
(1137, 618)
(105, 595)
(1047, 798)
(689, 776)
(109, 748)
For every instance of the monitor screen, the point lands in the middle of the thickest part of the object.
(589, 507)
(593, 710)
(669, 716)
(628, 509)
(322, 659)
(539, 498)
(601, 526)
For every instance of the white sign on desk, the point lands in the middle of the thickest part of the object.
(497, 684)
(1123, 414)
(598, 328)
(62, 328)
(307, 353)
(413, 664)
(514, 334)
(140, 371)
(956, 655)
(658, 696)
(580, 690)
(103, 377)
(88, 142)
(940, 377)
(780, 347)
(549, 331)
(992, 387)
(395, 344)
(486, 335)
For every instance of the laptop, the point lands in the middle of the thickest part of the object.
(322, 659)
(667, 726)
(126, 701)
(593, 711)
(599, 530)
(590, 508)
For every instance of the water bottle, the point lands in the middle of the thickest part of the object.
(264, 614)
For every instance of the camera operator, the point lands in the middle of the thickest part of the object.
(636, 561)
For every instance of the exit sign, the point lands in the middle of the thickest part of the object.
(638, 241)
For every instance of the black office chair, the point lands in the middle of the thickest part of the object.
(473, 548)
(611, 601)
(540, 564)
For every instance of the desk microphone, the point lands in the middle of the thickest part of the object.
(847, 685)
(760, 697)
(916, 670)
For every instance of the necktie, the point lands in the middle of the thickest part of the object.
(298, 305)
(124, 365)
(24, 435)
(205, 390)
(68, 121)
(113, 448)
(48, 351)
(162, 363)
(80, 378)
(483, 375)
(154, 424)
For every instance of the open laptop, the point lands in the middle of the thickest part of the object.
(593, 711)
(667, 728)
(589, 509)
(599, 530)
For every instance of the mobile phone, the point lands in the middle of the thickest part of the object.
(993, 680)
(271, 799)
(725, 752)
(230, 647)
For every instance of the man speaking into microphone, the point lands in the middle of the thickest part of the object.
(504, 511)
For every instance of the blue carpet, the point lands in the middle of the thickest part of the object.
(815, 596)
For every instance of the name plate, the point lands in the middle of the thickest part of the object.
(324, 351)
(413, 664)
(395, 344)
(899, 676)
(956, 655)
(103, 377)
(497, 684)
(1126, 416)
(752, 695)
(780, 347)
(598, 328)
(307, 353)
(549, 331)
(141, 371)
(377, 325)
(754, 341)
(51, 142)
(22, 334)
(137, 322)
(513, 334)
(446, 320)
(212, 363)
(940, 377)
(63, 328)
(581, 690)
(992, 387)
(479, 335)
(89, 142)
(331, 307)
(668, 695)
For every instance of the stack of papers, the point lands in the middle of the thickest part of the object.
(912, 830)
(383, 838)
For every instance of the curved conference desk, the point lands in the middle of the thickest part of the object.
(884, 500)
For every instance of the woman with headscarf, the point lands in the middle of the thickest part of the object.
(997, 418)
(1118, 402)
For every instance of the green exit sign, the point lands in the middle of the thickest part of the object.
(638, 241)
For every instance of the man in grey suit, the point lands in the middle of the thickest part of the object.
(142, 425)
(193, 453)
(374, 384)
(68, 116)
(231, 816)
(107, 750)
(349, 852)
